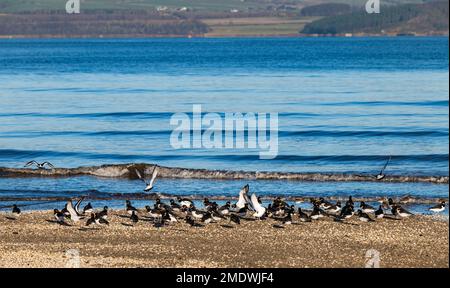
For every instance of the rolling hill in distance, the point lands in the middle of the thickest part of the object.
(220, 18)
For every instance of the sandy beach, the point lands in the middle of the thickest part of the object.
(33, 241)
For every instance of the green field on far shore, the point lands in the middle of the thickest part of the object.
(12, 6)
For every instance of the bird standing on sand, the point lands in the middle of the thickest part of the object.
(259, 209)
(349, 201)
(398, 210)
(155, 214)
(366, 208)
(197, 214)
(73, 214)
(243, 197)
(104, 213)
(243, 211)
(235, 218)
(16, 211)
(134, 217)
(324, 204)
(185, 202)
(346, 212)
(59, 216)
(438, 208)
(88, 209)
(364, 217)
(316, 213)
(130, 209)
(302, 216)
(380, 212)
(96, 218)
(148, 184)
(174, 206)
(40, 165)
(207, 218)
(77, 206)
(334, 208)
(192, 222)
(225, 209)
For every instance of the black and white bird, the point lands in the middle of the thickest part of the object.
(77, 206)
(207, 218)
(381, 175)
(366, 208)
(197, 214)
(130, 208)
(242, 212)
(73, 214)
(59, 216)
(192, 222)
(243, 197)
(287, 220)
(316, 213)
(104, 213)
(15, 211)
(324, 204)
(216, 215)
(346, 212)
(334, 208)
(302, 216)
(92, 220)
(155, 214)
(42, 165)
(380, 212)
(88, 208)
(260, 211)
(161, 205)
(65, 212)
(235, 219)
(148, 184)
(185, 202)
(96, 219)
(169, 217)
(225, 209)
(398, 210)
(134, 217)
(364, 217)
(349, 201)
(438, 208)
(174, 206)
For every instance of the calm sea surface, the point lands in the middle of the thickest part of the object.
(344, 104)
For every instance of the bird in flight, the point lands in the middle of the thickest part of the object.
(381, 175)
(40, 165)
(148, 184)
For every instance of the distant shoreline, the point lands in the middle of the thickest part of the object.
(132, 36)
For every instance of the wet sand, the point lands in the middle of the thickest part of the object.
(32, 241)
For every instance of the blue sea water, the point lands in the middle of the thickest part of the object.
(344, 104)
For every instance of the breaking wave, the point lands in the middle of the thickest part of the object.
(128, 171)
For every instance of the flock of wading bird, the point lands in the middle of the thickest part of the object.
(246, 208)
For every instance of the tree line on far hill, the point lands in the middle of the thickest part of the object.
(408, 18)
(91, 24)
(326, 9)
